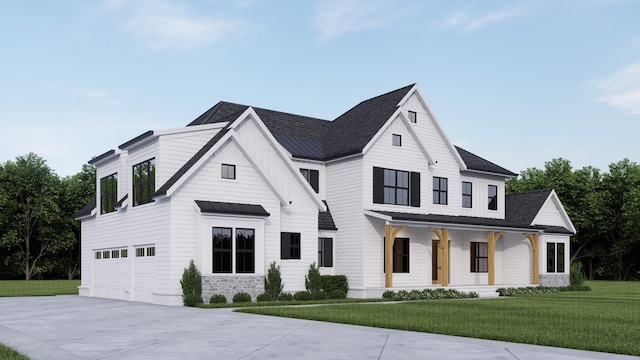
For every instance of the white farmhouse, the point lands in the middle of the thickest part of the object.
(380, 194)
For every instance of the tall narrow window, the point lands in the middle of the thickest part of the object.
(493, 197)
(312, 177)
(400, 255)
(440, 189)
(228, 171)
(144, 182)
(108, 193)
(396, 140)
(467, 192)
(289, 245)
(560, 257)
(479, 257)
(551, 257)
(413, 117)
(245, 250)
(221, 250)
(325, 252)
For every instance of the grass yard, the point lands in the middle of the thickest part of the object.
(7, 353)
(38, 287)
(606, 319)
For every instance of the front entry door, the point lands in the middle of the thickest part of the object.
(436, 270)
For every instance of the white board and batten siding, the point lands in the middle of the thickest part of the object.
(480, 196)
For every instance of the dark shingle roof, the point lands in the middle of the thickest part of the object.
(87, 209)
(475, 162)
(325, 220)
(100, 157)
(522, 208)
(217, 207)
(353, 130)
(140, 137)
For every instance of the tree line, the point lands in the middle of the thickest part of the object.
(39, 237)
(604, 208)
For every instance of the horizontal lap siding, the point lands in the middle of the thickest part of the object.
(344, 196)
(176, 150)
(516, 260)
(480, 197)
(549, 214)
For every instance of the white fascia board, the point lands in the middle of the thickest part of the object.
(553, 196)
(250, 113)
(193, 128)
(436, 123)
(502, 176)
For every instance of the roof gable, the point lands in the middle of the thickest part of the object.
(476, 163)
(523, 208)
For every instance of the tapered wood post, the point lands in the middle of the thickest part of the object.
(443, 236)
(534, 240)
(389, 238)
(492, 238)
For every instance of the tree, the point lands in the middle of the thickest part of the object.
(32, 222)
(273, 281)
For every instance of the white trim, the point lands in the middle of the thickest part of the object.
(553, 196)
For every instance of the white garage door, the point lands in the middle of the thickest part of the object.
(111, 276)
(144, 273)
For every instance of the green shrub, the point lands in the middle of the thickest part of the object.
(302, 296)
(286, 297)
(576, 276)
(389, 295)
(273, 281)
(337, 294)
(241, 297)
(428, 294)
(191, 283)
(264, 297)
(313, 280)
(331, 283)
(320, 295)
(218, 299)
(192, 299)
(534, 290)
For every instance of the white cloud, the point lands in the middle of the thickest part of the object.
(335, 18)
(621, 89)
(464, 21)
(167, 25)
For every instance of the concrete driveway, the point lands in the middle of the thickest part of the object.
(73, 327)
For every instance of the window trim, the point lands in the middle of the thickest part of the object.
(108, 193)
(468, 196)
(438, 193)
(224, 171)
(414, 119)
(290, 246)
(479, 251)
(492, 203)
(555, 257)
(396, 140)
(150, 182)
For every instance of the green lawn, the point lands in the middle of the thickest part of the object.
(7, 353)
(605, 319)
(38, 287)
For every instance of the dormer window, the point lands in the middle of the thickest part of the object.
(493, 197)
(396, 140)
(413, 117)
(108, 193)
(144, 182)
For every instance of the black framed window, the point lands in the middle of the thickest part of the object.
(413, 117)
(560, 257)
(493, 197)
(400, 255)
(139, 252)
(245, 250)
(479, 257)
(396, 140)
(289, 245)
(467, 194)
(144, 182)
(551, 257)
(228, 171)
(396, 187)
(108, 193)
(151, 251)
(98, 255)
(440, 190)
(312, 177)
(222, 250)
(325, 252)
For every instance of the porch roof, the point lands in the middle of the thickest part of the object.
(463, 222)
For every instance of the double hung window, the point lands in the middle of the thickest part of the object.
(440, 190)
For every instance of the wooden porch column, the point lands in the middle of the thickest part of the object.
(492, 238)
(389, 238)
(533, 238)
(443, 236)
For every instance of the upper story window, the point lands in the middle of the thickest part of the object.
(312, 177)
(396, 187)
(413, 117)
(396, 140)
(467, 192)
(144, 182)
(228, 171)
(289, 245)
(440, 190)
(493, 197)
(108, 193)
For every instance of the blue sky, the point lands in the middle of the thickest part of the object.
(518, 83)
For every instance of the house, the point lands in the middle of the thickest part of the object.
(379, 194)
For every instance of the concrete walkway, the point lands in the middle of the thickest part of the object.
(73, 327)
